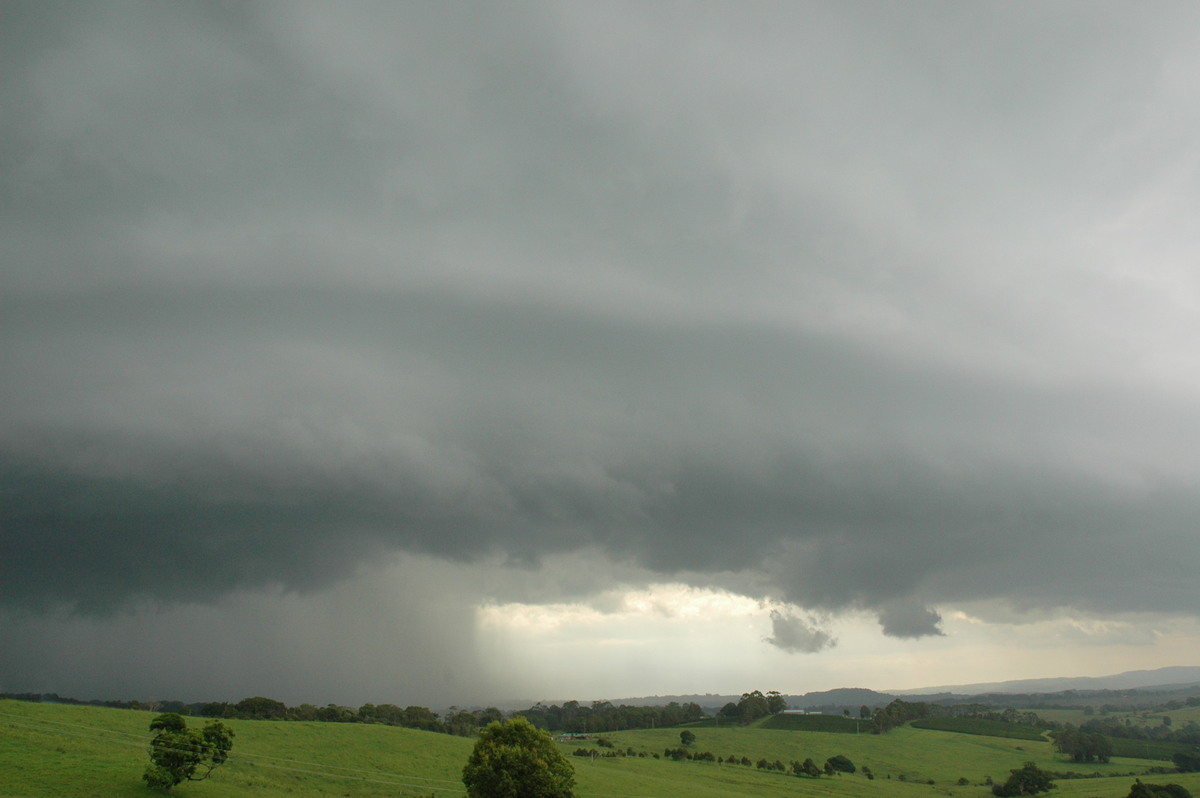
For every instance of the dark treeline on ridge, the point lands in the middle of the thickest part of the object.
(454, 721)
(603, 716)
(571, 717)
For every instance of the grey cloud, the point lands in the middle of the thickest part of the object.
(817, 299)
(907, 620)
(798, 635)
(392, 634)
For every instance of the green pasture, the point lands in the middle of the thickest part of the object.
(1139, 717)
(818, 723)
(1147, 749)
(982, 726)
(59, 750)
(51, 749)
(919, 755)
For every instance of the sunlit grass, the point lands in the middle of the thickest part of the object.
(58, 750)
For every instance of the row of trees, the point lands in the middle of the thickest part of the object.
(461, 722)
(1083, 746)
(754, 705)
(898, 713)
(1189, 733)
(833, 765)
(602, 716)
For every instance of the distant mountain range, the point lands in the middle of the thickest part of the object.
(1160, 679)
(1130, 680)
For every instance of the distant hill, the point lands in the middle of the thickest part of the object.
(842, 697)
(1130, 680)
(853, 697)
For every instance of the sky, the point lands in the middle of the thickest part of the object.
(434, 353)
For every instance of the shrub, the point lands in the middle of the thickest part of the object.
(515, 758)
(178, 753)
(1140, 790)
(841, 764)
(1027, 780)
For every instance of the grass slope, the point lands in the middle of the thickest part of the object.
(49, 749)
(983, 726)
(818, 723)
(56, 750)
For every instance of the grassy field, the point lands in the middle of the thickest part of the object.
(818, 723)
(1138, 717)
(57, 750)
(983, 726)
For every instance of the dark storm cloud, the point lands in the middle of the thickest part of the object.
(798, 635)
(903, 619)
(834, 297)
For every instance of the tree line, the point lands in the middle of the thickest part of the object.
(573, 717)
(1188, 734)
(754, 705)
(462, 722)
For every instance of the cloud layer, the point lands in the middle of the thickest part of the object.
(848, 307)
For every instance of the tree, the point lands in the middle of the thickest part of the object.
(178, 753)
(776, 703)
(1083, 746)
(753, 706)
(1185, 762)
(515, 759)
(686, 737)
(1028, 780)
(260, 708)
(841, 764)
(1139, 790)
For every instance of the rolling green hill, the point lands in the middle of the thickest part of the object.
(822, 723)
(58, 750)
(983, 726)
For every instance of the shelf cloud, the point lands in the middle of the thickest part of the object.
(854, 309)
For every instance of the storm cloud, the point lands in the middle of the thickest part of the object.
(868, 307)
(798, 635)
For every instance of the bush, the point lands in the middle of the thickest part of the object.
(515, 759)
(841, 764)
(1187, 763)
(178, 753)
(1139, 790)
(1028, 780)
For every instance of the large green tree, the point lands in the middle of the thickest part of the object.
(1082, 746)
(1028, 780)
(840, 763)
(752, 706)
(1139, 790)
(178, 753)
(515, 759)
